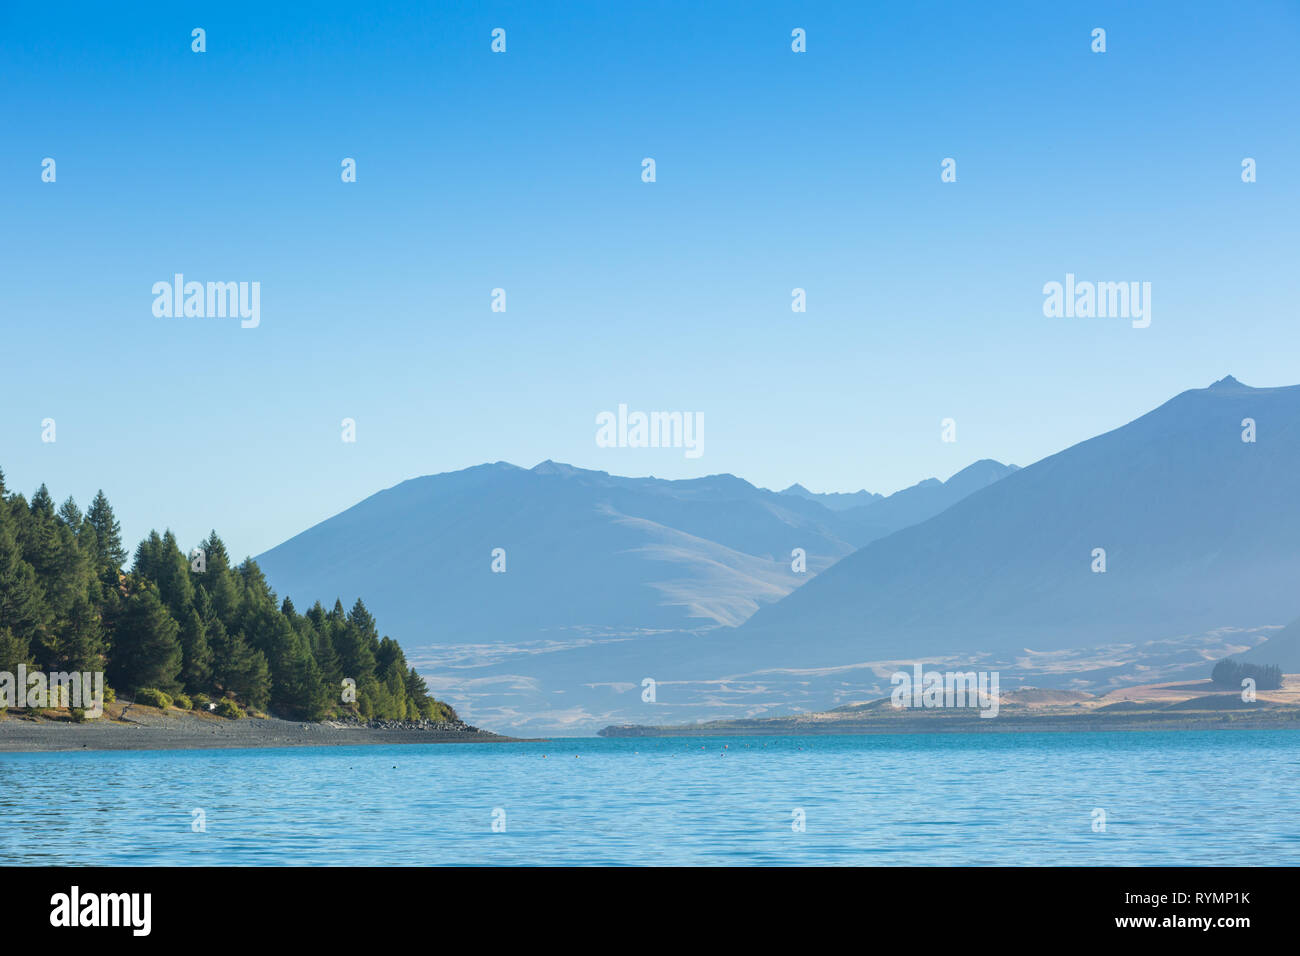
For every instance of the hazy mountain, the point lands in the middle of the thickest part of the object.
(836, 500)
(585, 552)
(1281, 649)
(1201, 530)
(612, 580)
(925, 499)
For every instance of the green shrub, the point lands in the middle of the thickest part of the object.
(110, 695)
(229, 709)
(153, 698)
(201, 701)
(438, 710)
(183, 702)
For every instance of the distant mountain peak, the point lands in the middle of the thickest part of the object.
(550, 467)
(987, 469)
(835, 500)
(1229, 383)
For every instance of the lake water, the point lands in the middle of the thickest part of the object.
(1225, 797)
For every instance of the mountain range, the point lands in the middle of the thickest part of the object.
(584, 551)
(1199, 529)
(1151, 550)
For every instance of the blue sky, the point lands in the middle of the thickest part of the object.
(522, 171)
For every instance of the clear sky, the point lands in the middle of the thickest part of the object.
(522, 171)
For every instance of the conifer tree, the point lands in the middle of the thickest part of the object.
(196, 654)
(146, 649)
(81, 647)
(13, 651)
(109, 553)
(71, 515)
(238, 669)
(22, 602)
(219, 581)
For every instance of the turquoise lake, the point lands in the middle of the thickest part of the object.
(1213, 797)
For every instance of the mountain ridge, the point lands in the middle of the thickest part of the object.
(1188, 448)
(614, 579)
(688, 552)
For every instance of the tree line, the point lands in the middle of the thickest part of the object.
(1229, 673)
(66, 604)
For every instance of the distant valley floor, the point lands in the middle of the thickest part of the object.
(575, 684)
(1188, 705)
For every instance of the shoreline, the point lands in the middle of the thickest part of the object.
(1023, 726)
(149, 729)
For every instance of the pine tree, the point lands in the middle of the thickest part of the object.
(71, 515)
(109, 553)
(253, 589)
(146, 649)
(22, 601)
(42, 502)
(13, 651)
(196, 654)
(356, 660)
(40, 536)
(160, 560)
(322, 649)
(296, 687)
(238, 669)
(360, 618)
(82, 644)
(219, 581)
